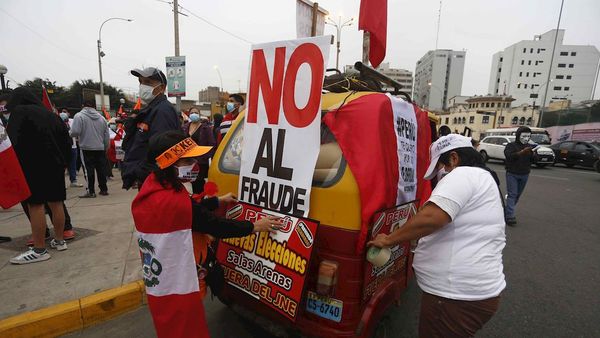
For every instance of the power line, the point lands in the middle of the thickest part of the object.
(208, 22)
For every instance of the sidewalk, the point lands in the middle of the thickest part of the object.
(104, 254)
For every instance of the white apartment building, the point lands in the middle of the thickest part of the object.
(438, 77)
(521, 70)
(403, 76)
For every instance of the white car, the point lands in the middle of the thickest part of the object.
(492, 147)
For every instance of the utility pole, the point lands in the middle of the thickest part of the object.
(437, 37)
(550, 66)
(365, 53)
(176, 22)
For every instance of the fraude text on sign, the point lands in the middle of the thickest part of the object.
(282, 126)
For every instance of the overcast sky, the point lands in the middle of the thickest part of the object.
(57, 39)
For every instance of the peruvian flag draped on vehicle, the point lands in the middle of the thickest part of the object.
(388, 152)
(13, 186)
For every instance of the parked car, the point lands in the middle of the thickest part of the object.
(571, 153)
(492, 147)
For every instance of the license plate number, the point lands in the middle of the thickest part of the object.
(543, 159)
(325, 307)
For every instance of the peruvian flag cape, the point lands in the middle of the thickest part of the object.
(13, 185)
(163, 220)
(385, 141)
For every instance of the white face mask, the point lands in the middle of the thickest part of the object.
(524, 138)
(146, 93)
(188, 173)
(441, 173)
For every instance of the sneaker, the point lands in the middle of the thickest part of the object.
(88, 195)
(58, 245)
(68, 235)
(76, 185)
(30, 241)
(511, 221)
(104, 193)
(30, 256)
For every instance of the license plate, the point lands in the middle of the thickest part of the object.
(325, 307)
(543, 159)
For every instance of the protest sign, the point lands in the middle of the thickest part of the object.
(269, 267)
(282, 124)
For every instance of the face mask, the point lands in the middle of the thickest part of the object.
(7, 116)
(524, 138)
(146, 93)
(194, 117)
(441, 173)
(113, 127)
(188, 173)
(64, 117)
(230, 107)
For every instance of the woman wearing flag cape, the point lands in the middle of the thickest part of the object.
(172, 228)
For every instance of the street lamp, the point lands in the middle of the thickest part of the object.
(3, 70)
(431, 85)
(338, 25)
(101, 54)
(221, 88)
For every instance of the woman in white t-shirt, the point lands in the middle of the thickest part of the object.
(458, 261)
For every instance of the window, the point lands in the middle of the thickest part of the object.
(524, 50)
(557, 88)
(447, 120)
(566, 145)
(531, 50)
(567, 88)
(560, 77)
(525, 86)
(529, 121)
(562, 65)
(499, 70)
(541, 61)
(573, 53)
(520, 74)
(514, 121)
(527, 74)
(582, 147)
(471, 119)
(501, 120)
(327, 172)
(522, 62)
(492, 104)
(487, 104)
(564, 53)
(518, 85)
(538, 51)
(485, 119)
(522, 121)
(568, 77)
(454, 120)
(529, 63)
(571, 65)
(464, 120)
(501, 58)
(534, 74)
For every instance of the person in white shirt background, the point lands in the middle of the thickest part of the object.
(458, 260)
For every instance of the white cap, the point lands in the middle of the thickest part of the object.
(442, 145)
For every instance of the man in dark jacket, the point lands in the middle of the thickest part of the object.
(519, 156)
(43, 146)
(158, 115)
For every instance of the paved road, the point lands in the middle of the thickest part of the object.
(552, 267)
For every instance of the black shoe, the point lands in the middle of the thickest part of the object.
(104, 193)
(511, 221)
(88, 195)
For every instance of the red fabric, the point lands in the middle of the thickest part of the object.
(423, 144)
(368, 143)
(159, 210)
(46, 99)
(13, 186)
(178, 316)
(373, 19)
(138, 104)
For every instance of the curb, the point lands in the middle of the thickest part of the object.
(75, 315)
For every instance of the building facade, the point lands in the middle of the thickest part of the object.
(521, 70)
(403, 76)
(438, 77)
(479, 113)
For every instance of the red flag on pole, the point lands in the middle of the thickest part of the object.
(46, 99)
(13, 186)
(373, 19)
(106, 114)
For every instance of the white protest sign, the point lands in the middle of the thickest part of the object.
(282, 124)
(405, 125)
